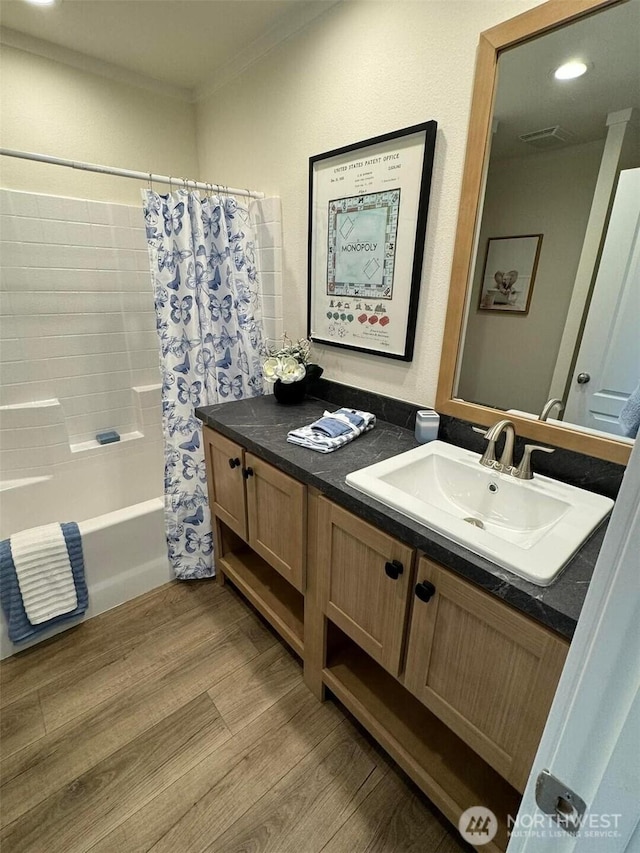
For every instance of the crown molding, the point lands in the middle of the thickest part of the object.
(91, 65)
(293, 21)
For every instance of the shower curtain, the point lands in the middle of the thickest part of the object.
(203, 266)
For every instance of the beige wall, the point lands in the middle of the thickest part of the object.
(365, 68)
(509, 359)
(54, 109)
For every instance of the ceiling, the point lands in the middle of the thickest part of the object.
(191, 47)
(185, 44)
(528, 97)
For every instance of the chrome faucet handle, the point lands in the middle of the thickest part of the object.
(523, 471)
(488, 458)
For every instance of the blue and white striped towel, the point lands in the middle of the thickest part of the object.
(333, 430)
(46, 601)
(44, 572)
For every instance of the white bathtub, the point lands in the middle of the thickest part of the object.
(125, 555)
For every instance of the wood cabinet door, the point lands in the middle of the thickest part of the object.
(277, 519)
(225, 461)
(486, 670)
(357, 589)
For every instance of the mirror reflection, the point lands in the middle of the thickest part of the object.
(553, 304)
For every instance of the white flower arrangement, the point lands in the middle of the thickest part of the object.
(287, 362)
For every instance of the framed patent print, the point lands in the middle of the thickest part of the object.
(368, 206)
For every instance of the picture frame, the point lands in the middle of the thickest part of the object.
(368, 208)
(509, 273)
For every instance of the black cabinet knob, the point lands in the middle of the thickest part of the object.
(247, 472)
(425, 590)
(234, 463)
(394, 569)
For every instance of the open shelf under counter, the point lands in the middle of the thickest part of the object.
(272, 595)
(449, 772)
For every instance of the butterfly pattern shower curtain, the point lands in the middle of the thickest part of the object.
(203, 265)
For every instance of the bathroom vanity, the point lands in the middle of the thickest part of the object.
(450, 662)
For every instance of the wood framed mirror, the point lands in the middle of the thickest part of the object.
(465, 298)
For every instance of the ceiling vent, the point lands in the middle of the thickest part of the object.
(548, 137)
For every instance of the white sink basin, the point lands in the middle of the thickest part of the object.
(530, 527)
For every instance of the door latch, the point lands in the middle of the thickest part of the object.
(561, 803)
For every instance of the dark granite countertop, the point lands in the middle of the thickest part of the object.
(261, 426)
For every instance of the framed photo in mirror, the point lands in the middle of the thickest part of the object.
(509, 273)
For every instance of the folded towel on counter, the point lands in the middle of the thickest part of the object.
(630, 415)
(333, 430)
(39, 585)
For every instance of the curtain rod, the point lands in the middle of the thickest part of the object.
(127, 173)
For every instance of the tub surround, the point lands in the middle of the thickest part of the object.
(261, 426)
(125, 555)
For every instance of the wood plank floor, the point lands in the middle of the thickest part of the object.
(180, 723)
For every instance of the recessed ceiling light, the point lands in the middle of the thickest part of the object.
(570, 70)
(42, 2)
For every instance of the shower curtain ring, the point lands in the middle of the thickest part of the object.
(150, 182)
(170, 185)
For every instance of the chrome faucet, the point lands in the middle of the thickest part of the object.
(488, 458)
(505, 465)
(549, 406)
